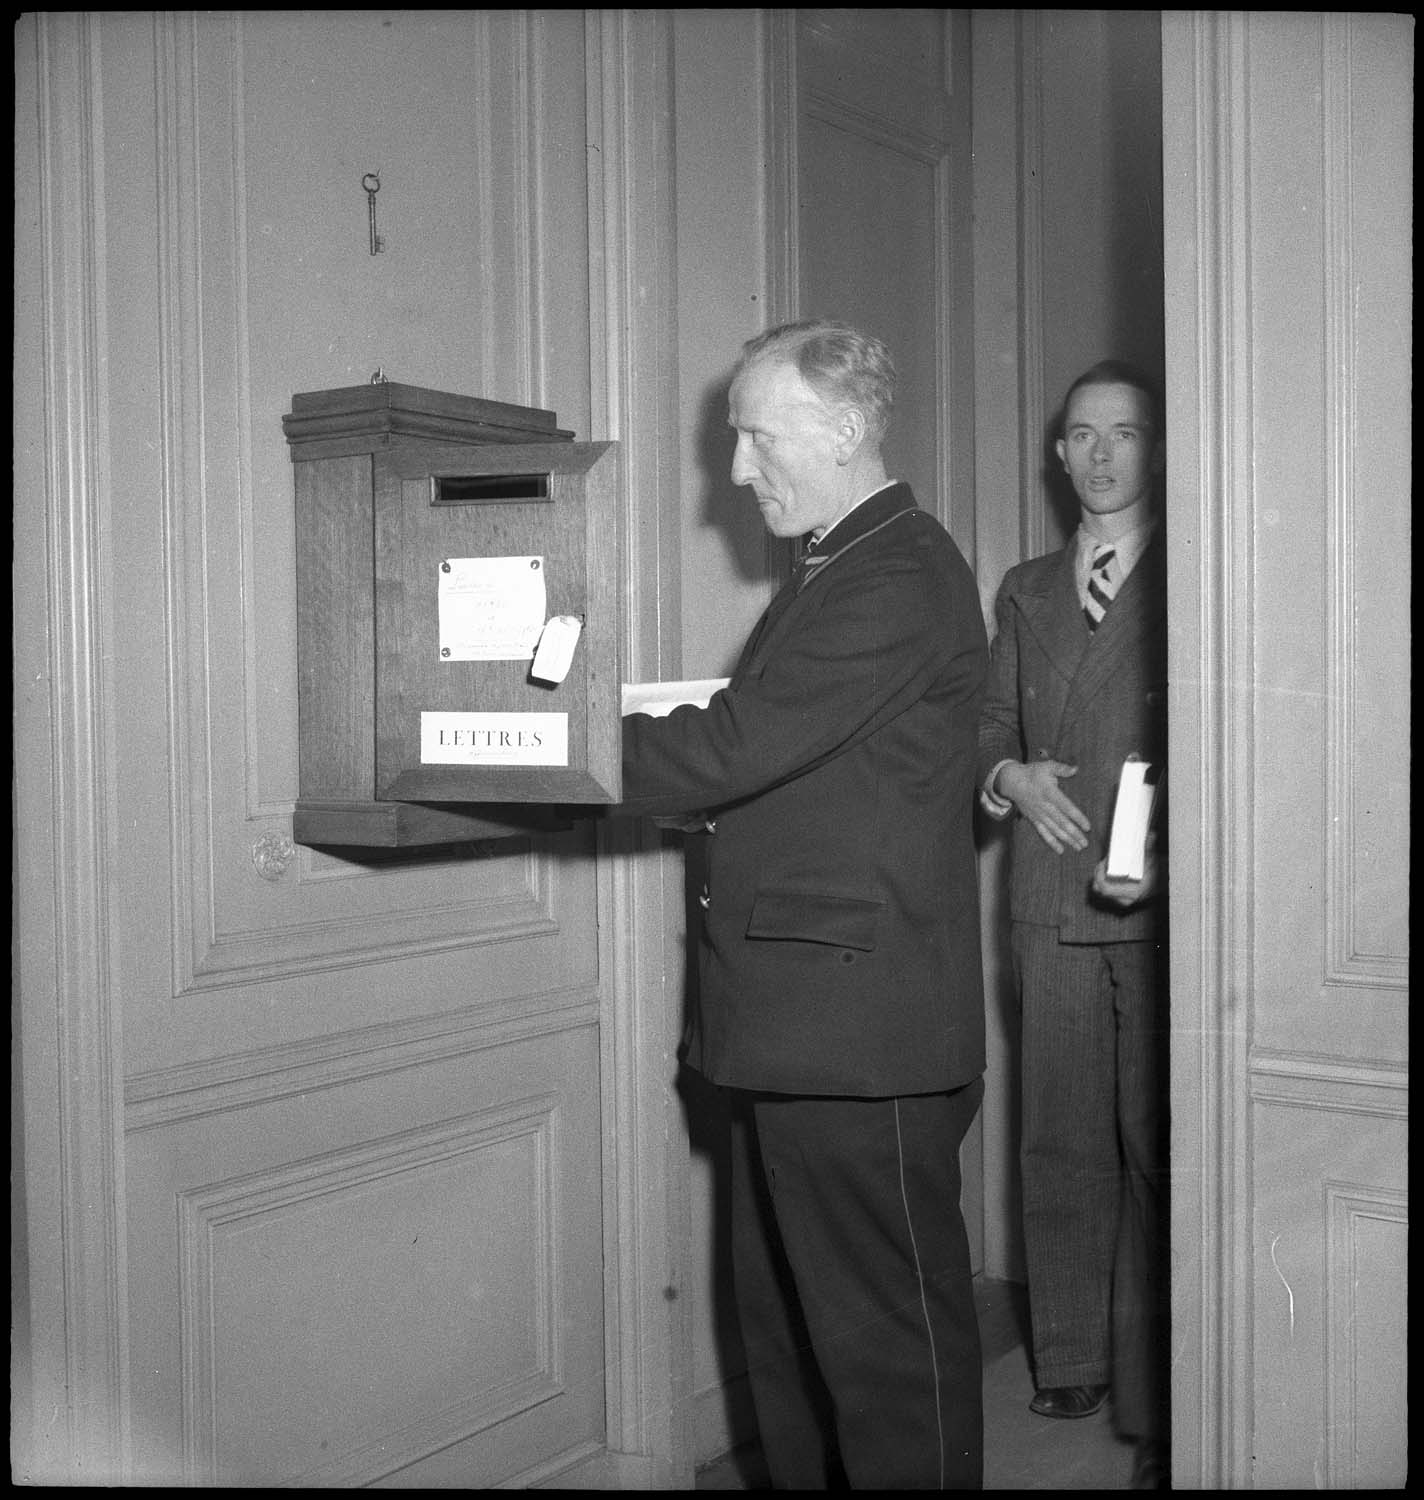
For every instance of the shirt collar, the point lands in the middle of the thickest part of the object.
(819, 543)
(1128, 547)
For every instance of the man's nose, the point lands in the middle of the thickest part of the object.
(1101, 451)
(743, 470)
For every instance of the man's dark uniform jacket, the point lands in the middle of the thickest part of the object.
(840, 949)
(1060, 692)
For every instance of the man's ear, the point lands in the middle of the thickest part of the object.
(1061, 449)
(851, 428)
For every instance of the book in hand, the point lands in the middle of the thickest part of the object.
(660, 698)
(1132, 819)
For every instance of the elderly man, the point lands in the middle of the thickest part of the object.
(841, 1001)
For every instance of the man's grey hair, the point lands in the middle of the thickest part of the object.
(842, 365)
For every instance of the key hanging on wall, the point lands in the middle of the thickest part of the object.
(371, 182)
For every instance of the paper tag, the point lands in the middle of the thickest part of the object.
(554, 654)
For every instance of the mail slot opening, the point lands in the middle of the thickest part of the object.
(488, 489)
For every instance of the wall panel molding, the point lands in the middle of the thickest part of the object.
(508, 156)
(780, 132)
(890, 133)
(227, 928)
(170, 1096)
(1033, 399)
(1346, 966)
(1330, 1083)
(316, 943)
(217, 1215)
(879, 97)
(955, 369)
(70, 1023)
(228, 44)
(1351, 1209)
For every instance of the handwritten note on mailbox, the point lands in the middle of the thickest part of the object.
(491, 608)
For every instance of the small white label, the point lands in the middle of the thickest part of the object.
(554, 654)
(463, 739)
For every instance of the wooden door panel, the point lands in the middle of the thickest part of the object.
(1330, 651)
(1331, 1284)
(1289, 376)
(361, 1095)
(370, 1272)
(239, 1057)
(882, 160)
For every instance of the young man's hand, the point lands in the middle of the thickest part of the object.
(1034, 791)
(1127, 893)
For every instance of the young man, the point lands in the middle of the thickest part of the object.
(1077, 685)
(841, 999)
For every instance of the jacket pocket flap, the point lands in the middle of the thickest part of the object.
(808, 917)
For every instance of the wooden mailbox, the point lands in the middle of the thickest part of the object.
(458, 619)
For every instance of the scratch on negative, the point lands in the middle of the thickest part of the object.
(1284, 1283)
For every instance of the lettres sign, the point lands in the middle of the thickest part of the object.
(476, 739)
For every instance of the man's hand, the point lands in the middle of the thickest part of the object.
(1034, 791)
(683, 823)
(1126, 893)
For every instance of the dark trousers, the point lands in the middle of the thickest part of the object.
(854, 1290)
(1094, 1159)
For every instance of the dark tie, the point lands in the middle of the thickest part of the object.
(1100, 590)
(807, 564)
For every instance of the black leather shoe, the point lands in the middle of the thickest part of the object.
(1069, 1400)
(1151, 1467)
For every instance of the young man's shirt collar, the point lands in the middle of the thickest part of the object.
(1127, 548)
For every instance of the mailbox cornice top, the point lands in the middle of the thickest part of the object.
(364, 418)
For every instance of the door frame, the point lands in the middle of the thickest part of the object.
(1207, 375)
(1238, 1419)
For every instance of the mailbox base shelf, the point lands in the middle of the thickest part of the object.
(413, 825)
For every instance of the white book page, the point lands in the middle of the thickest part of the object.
(1132, 817)
(660, 698)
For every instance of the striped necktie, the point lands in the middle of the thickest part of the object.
(809, 562)
(1100, 587)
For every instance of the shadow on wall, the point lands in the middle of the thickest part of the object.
(1133, 62)
(705, 1115)
(1059, 496)
(756, 554)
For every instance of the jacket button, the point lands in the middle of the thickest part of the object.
(711, 825)
(704, 900)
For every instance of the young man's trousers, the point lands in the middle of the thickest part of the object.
(1094, 1158)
